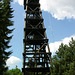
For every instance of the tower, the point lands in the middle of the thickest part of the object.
(35, 57)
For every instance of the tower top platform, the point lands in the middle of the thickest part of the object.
(30, 1)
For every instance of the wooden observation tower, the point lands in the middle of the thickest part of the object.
(35, 58)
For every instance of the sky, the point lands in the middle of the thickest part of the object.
(59, 21)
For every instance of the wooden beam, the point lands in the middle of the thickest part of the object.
(36, 69)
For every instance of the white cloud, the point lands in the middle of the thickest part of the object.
(54, 46)
(13, 61)
(19, 1)
(59, 9)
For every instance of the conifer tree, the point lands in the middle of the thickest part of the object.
(5, 22)
(64, 60)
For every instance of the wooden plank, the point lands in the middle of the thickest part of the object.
(33, 4)
(34, 19)
(36, 69)
(35, 53)
(37, 57)
(39, 29)
(33, 12)
(37, 41)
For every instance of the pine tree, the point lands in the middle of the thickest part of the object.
(5, 23)
(64, 60)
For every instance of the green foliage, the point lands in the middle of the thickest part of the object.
(14, 72)
(5, 23)
(64, 60)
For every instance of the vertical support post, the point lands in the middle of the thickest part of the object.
(24, 45)
(34, 73)
(37, 73)
(47, 45)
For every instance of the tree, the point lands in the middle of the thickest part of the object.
(15, 71)
(64, 60)
(5, 23)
